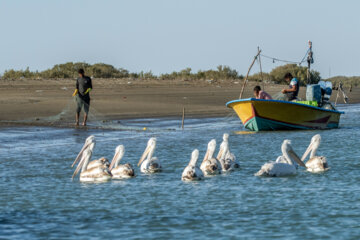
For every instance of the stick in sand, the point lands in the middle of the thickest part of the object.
(183, 118)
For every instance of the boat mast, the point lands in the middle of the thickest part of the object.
(310, 60)
(261, 73)
(247, 74)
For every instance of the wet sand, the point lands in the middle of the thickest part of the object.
(116, 99)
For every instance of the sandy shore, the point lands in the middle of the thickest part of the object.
(31, 101)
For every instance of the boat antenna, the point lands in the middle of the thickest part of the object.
(247, 74)
(310, 60)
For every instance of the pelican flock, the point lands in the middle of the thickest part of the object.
(285, 165)
(315, 163)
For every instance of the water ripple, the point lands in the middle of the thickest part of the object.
(40, 201)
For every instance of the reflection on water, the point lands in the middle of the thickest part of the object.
(39, 200)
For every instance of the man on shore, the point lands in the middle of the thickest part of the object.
(293, 90)
(83, 88)
(259, 94)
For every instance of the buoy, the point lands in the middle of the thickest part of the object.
(144, 128)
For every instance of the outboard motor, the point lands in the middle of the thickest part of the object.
(326, 90)
(322, 85)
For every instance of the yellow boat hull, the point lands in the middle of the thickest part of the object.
(265, 115)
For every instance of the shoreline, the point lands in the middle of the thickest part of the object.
(91, 125)
(70, 125)
(49, 102)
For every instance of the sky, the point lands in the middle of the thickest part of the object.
(169, 35)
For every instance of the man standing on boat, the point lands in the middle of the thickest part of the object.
(293, 90)
(83, 88)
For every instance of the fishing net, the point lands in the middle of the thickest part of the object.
(66, 118)
(280, 96)
(97, 120)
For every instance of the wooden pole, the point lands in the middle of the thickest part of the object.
(308, 74)
(261, 73)
(183, 118)
(345, 97)
(247, 74)
(309, 61)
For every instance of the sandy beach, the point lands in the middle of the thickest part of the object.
(116, 99)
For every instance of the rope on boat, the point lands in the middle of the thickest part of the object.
(308, 57)
(282, 60)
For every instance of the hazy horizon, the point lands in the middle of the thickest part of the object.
(164, 36)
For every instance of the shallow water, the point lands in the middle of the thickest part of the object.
(38, 200)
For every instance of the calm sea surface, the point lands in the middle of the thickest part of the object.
(38, 199)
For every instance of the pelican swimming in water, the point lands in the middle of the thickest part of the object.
(97, 174)
(284, 165)
(225, 157)
(192, 172)
(148, 163)
(120, 171)
(210, 165)
(90, 144)
(315, 163)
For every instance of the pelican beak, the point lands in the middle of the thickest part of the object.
(80, 154)
(308, 150)
(220, 154)
(146, 152)
(296, 158)
(78, 168)
(114, 160)
(206, 155)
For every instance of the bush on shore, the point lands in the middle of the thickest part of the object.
(277, 74)
(347, 81)
(102, 70)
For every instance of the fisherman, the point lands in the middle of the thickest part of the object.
(83, 88)
(293, 90)
(259, 94)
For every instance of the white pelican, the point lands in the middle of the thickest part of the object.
(192, 172)
(284, 165)
(98, 174)
(315, 163)
(148, 163)
(225, 157)
(90, 144)
(122, 170)
(210, 165)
